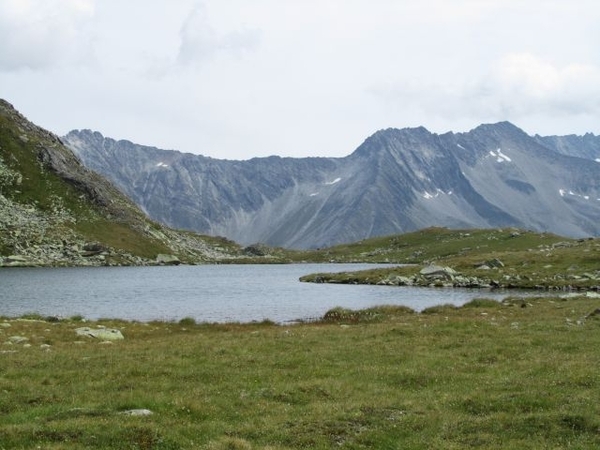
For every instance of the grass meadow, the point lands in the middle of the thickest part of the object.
(512, 375)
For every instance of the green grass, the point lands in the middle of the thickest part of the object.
(481, 376)
(433, 244)
(465, 248)
(530, 260)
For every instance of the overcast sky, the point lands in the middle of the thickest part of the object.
(238, 79)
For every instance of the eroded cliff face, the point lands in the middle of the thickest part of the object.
(56, 211)
(398, 180)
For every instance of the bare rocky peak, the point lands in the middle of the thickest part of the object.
(398, 180)
(586, 146)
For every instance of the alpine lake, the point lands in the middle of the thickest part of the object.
(207, 293)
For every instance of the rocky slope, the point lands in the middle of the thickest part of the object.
(55, 211)
(398, 180)
(586, 146)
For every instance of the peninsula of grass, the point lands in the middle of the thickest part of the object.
(507, 258)
(521, 374)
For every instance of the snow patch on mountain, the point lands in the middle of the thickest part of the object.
(500, 157)
(564, 192)
(437, 193)
(337, 180)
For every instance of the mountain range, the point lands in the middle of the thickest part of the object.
(397, 181)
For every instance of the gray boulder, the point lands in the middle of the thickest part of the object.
(434, 272)
(104, 334)
(167, 260)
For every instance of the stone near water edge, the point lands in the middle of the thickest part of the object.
(104, 334)
(16, 259)
(396, 280)
(435, 272)
(167, 260)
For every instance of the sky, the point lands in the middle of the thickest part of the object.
(237, 79)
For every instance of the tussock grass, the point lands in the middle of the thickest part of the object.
(481, 303)
(375, 314)
(479, 376)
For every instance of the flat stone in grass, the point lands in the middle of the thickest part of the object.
(136, 412)
(103, 334)
(17, 339)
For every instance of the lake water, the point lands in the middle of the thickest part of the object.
(210, 293)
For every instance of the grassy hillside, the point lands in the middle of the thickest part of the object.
(52, 208)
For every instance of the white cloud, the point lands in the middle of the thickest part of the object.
(516, 87)
(528, 84)
(238, 79)
(201, 42)
(36, 34)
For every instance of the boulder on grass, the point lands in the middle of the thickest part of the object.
(103, 334)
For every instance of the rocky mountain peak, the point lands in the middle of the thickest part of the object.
(397, 180)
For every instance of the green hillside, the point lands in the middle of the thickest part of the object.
(53, 211)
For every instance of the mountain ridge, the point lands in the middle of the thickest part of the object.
(397, 180)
